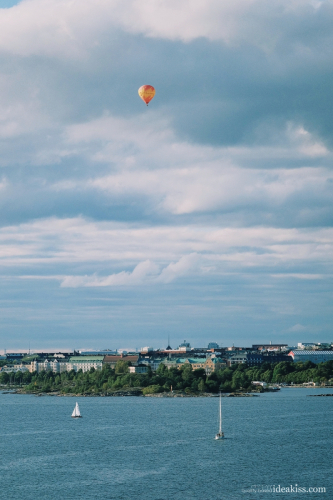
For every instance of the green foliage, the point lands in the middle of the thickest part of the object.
(201, 386)
(237, 377)
(121, 367)
(4, 378)
(152, 389)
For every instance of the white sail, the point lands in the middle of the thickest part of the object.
(220, 434)
(76, 411)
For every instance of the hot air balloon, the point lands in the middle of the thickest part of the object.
(146, 92)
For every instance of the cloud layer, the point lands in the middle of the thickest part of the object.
(208, 213)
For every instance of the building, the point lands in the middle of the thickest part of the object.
(14, 355)
(245, 358)
(269, 347)
(106, 352)
(113, 359)
(196, 363)
(147, 349)
(275, 357)
(184, 347)
(76, 363)
(84, 363)
(138, 368)
(153, 362)
(314, 356)
(214, 364)
(14, 368)
(313, 345)
(43, 366)
(213, 345)
(243, 349)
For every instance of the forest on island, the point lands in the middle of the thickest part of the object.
(108, 380)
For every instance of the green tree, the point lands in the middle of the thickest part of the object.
(202, 386)
(187, 374)
(239, 380)
(121, 367)
(4, 378)
(162, 370)
(212, 385)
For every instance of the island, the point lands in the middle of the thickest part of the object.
(238, 379)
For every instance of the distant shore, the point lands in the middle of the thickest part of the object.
(133, 393)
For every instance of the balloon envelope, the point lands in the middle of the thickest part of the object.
(146, 92)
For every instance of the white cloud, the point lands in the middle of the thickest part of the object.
(297, 328)
(182, 178)
(142, 272)
(146, 272)
(64, 28)
(176, 250)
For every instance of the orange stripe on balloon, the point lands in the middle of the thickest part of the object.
(146, 92)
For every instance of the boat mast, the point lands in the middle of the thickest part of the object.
(220, 428)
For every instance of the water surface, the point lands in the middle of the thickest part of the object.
(160, 449)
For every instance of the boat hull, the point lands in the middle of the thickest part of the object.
(76, 416)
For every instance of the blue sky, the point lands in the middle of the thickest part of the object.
(206, 216)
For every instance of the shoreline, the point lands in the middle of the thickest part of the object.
(136, 393)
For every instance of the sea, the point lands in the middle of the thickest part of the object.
(277, 445)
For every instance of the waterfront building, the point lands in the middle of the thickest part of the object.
(214, 364)
(54, 366)
(257, 382)
(196, 363)
(111, 360)
(314, 356)
(84, 363)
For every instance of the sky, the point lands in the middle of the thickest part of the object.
(206, 216)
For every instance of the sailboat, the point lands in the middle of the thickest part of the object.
(220, 434)
(76, 412)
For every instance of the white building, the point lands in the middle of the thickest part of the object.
(138, 369)
(43, 366)
(147, 349)
(257, 382)
(313, 345)
(85, 363)
(184, 347)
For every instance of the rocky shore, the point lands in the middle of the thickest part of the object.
(319, 395)
(133, 392)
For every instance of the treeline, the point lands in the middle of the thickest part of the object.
(237, 377)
